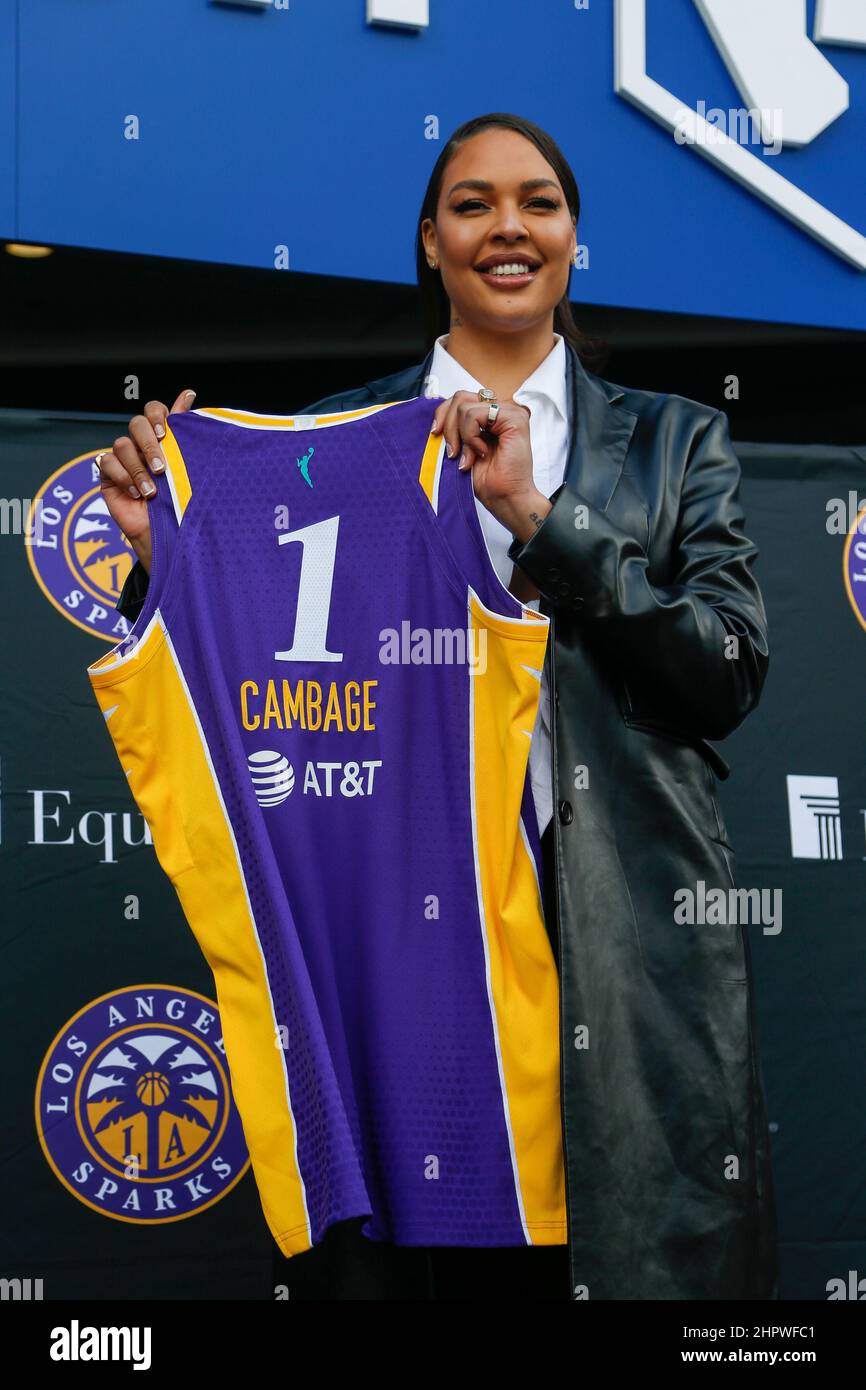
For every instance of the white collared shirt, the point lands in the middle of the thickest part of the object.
(546, 395)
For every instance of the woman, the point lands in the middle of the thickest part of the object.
(617, 511)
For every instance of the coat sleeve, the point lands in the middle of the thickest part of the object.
(134, 591)
(671, 640)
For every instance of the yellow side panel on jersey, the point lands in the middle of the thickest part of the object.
(163, 753)
(523, 980)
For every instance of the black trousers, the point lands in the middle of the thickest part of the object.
(346, 1265)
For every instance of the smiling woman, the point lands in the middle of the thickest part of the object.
(500, 245)
(616, 512)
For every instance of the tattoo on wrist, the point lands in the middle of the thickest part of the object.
(539, 520)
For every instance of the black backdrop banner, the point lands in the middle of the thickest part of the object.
(125, 1172)
(795, 806)
(106, 997)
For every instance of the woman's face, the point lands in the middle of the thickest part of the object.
(519, 214)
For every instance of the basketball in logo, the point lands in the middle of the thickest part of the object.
(77, 552)
(152, 1088)
(134, 1107)
(272, 775)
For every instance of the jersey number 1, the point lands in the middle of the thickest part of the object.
(319, 542)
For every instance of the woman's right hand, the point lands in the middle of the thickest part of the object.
(126, 472)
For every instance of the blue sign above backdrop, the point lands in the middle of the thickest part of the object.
(223, 133)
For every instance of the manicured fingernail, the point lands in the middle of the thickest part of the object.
(448, 450)
(148, 488)
(157, 463)
(461, 462)
(190, 395)
(159, 431)
(134, 492)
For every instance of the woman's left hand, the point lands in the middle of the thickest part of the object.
(500, 457)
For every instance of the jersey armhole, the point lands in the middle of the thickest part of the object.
(451, 495)
(499, 593)
(447, 499)
(166, 510)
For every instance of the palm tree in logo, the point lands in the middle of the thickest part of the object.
(154, 1076)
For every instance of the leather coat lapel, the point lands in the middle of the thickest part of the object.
(600, 436)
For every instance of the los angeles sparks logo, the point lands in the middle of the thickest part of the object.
(78, 554)
(134, 1107)
(854, 566)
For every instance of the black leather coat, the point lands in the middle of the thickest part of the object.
(658, 643)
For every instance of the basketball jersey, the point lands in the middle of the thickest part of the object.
(324, 712)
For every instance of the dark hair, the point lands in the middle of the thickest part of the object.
(434, 301)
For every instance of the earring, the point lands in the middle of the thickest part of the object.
(432, 264)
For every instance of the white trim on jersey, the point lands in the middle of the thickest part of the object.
(479, 894)
(172, 487)
(271, 421)
(229, 827)
(120, 657)
(437, 476)
(538, 621)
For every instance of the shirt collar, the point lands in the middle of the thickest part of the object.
(548, 379)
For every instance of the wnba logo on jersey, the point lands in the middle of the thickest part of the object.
(78, 555)
(134, 1107)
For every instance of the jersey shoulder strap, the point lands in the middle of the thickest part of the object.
(449, 497)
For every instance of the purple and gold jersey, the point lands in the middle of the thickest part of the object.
(324, 712)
